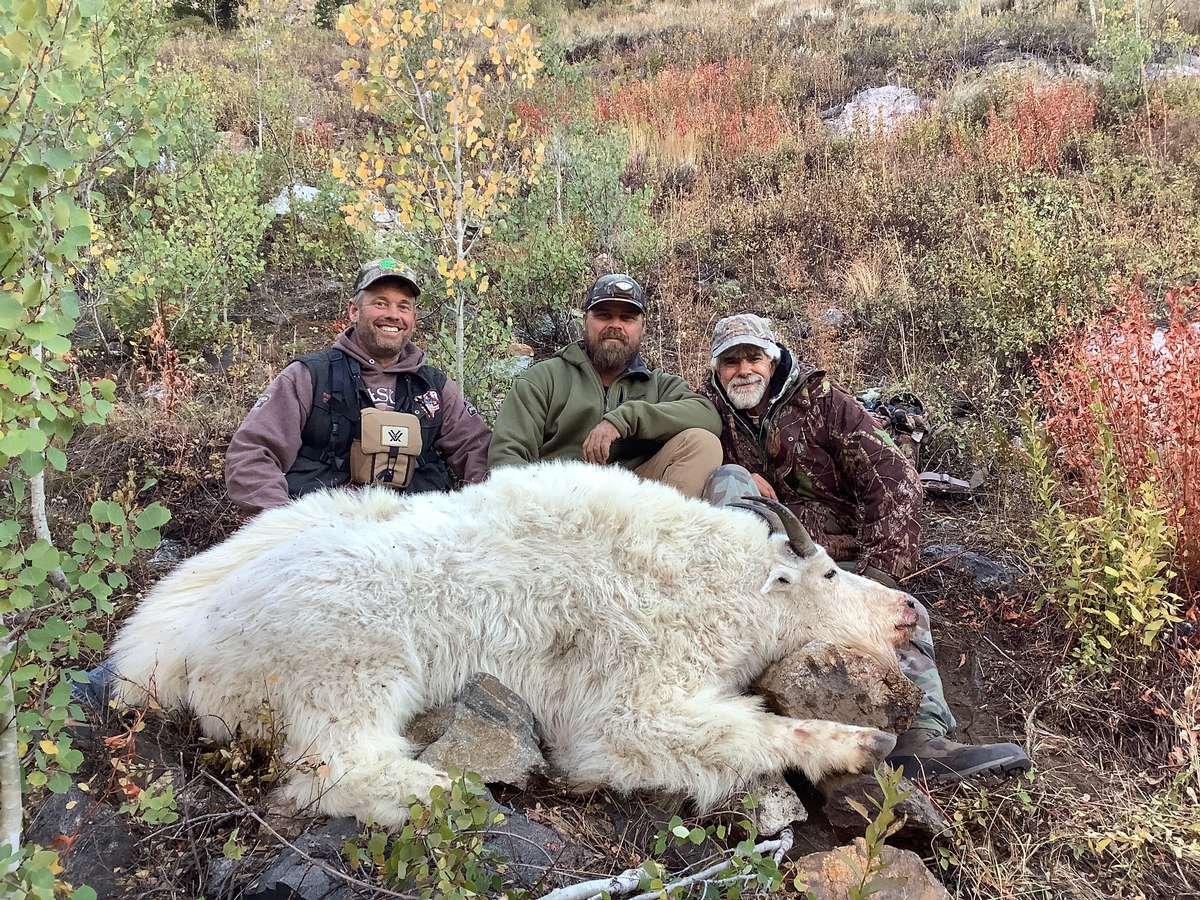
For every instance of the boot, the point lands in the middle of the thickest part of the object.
(927, 756)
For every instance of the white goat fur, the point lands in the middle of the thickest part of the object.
(629, 617)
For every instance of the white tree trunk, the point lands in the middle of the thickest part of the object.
(10, 771)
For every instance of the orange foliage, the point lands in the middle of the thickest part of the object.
(1142, 382)
(1033, 133)
(707, 109)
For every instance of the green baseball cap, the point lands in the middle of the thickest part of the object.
(378, 269)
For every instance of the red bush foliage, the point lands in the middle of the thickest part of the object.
(1035, 131)
(1142, 381)
(709, 104)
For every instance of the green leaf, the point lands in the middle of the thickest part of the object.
(153, 516)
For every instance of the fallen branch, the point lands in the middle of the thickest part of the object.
(312, 860)
(631, 879)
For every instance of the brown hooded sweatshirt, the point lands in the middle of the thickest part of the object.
(267, 442)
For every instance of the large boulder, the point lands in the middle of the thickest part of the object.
(820, 681)
(489, 730)
(876, 110)
(831, 874)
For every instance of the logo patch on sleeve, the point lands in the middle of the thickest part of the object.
(431, 402)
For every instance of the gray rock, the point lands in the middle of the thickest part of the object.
(820, 681)
(292, 876)
(167, 555)
(987, 575)
(875, 110)
(921, 816)
(491, 731)
(778, 806)
(536, 854)
(102, 847)
(834, 318)
(293, 193)
(831, 874)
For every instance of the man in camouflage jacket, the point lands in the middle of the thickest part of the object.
(790, 434)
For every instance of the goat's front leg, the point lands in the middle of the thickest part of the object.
(710, 746)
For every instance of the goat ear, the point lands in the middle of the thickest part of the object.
(779, 575)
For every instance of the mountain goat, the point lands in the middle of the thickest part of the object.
(629, 617)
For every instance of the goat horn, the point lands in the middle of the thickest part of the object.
(768, 515)
(798, 536)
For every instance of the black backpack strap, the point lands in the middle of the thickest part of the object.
(334, 420)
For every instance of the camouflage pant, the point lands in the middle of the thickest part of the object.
(917, 660)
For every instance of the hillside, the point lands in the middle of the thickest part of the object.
(992, 210)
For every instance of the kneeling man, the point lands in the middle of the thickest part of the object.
(792, 435)
(597, 401)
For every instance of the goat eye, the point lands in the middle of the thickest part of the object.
(783, 579)
(830, 573)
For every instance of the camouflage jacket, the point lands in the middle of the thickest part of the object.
(833, 465)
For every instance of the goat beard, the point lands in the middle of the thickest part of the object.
(746, 393)
(610, 353)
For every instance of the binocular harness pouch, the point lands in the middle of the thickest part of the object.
(388, 449)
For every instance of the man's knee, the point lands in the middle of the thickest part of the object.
(701, 444)
(686, 461)
(727, 483)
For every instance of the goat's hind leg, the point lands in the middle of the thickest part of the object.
(357, 764)
(710, 746)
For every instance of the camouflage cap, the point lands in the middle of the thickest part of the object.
(744, 328)
(620, 288)
(377, 269)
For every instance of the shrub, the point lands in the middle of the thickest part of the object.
(1118, 472)
(185, 249)
(694, 116)
(1043, 121)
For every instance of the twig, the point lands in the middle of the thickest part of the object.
(323, 866)
(930, 568)
(631, 879)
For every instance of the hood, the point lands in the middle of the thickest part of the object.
(411, 358)
(787, 377)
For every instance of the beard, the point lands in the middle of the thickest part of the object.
(610, 353)
(746, 393)
(380, 343)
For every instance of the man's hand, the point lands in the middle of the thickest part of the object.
(764, 487)
(597, 443)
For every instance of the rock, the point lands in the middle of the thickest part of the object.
(831, 874)
(820, 681)
(167, 555)
(304, 193)
(492, 732)
(429, 725)
(536, 854)
(95, 844)
(875, 110)
(291, 877)
(232, 142)
(834, 318)
(987, 575)
(778, 806)
(1188, 66)
(922, 816)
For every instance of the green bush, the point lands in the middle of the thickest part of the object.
(1106, 571)
(185, 250)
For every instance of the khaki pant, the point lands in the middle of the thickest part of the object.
(685, 461)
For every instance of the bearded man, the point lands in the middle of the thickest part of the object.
(792, 435)
(299, 435)
(596, 400)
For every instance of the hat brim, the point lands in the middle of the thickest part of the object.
(742, 340)
(594, 303)
(412, 285)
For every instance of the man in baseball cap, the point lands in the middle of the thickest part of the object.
(596, 400)
(792, 435)
(299, 435)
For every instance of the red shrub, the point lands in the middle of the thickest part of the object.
(709, 106)
(1033, 133)
(1143, 383)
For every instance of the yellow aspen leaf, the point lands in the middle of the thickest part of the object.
(48, 747)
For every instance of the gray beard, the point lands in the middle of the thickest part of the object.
(747, 396)
(610, 357)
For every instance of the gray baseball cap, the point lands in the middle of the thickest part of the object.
(378, 269)
(743, 328)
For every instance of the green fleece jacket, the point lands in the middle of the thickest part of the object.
(554, 406)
